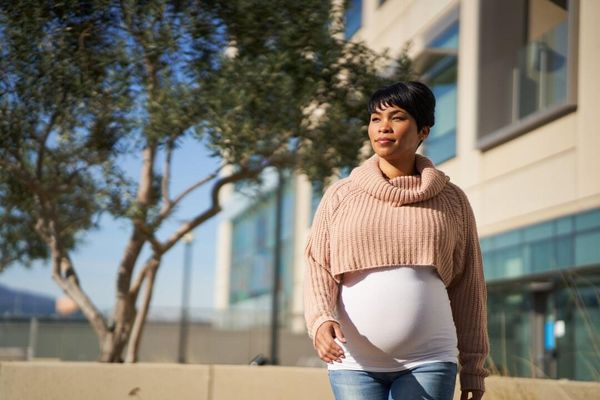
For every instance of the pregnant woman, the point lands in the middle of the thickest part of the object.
(394, 292)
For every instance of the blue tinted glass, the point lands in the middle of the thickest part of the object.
(445, 115)
(587, 248)
(565, 252)
(544, 246)
(485, 244)
(506, 239)
(441, 149)
(511, 262)
(564, 225)
(538, 232)
(490, 270)
(542, 256)
(353, 18)
(447, 39)
(253, 245)
(440, 145)
(587, 220)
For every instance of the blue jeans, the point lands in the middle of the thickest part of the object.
(433, 381)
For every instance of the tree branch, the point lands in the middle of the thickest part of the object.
(140, 318)
(138, 237)
(66, 278)
(215, 207)
(139, 280)
(166, 178)
(149, 236)
(69, 283)
(168, 207)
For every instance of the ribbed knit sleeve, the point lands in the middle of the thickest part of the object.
(468, 297)
(320, 288)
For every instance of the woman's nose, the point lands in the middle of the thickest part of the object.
(385, 126)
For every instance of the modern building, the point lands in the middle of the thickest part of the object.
(518, 92)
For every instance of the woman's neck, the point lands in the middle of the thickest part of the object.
(401, 167)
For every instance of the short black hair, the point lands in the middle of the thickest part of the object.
(413, 96)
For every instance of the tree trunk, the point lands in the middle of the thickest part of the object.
(135, 338)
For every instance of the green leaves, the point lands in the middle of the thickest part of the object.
(62, 113)
(285, 75)
(82, 83)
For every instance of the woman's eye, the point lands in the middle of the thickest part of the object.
(374, 119)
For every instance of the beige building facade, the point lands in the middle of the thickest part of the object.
(518, 91)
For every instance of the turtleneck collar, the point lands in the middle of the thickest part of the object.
(401, 189)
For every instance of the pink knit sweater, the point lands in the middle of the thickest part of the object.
(366, 221)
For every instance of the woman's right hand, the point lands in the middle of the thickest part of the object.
(325, 344)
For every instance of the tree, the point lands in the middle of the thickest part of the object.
(264, 84)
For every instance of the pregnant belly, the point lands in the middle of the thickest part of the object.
(398, 312)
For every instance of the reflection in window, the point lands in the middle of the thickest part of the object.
(509, 327)
(556, 244)
(524, 61)
(253, 244)
(440, 64)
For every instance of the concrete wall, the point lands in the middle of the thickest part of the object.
(75, 341)
(91, 381)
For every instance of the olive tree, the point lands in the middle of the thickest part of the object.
(85, 83)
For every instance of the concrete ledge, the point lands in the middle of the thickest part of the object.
(91, 381)
(49, 380)
(269, 383)
(502, 388)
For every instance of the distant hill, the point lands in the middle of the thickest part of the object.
(15, 302)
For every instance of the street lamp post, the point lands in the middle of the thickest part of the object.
(277, 272)
(188, 239)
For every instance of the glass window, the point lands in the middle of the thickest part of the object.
(542, 255)
(525, 65)
(447, 39)
(587, 250)
(253, 245)
(587, 220)
(439, 64)
(565, 251)
(538, 232)
(353, 18)
(509, 328)
(578, 308)
(543, 247)
(564, 225)
(506, 239)
(511, 262)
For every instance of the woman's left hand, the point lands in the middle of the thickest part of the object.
(476, 395)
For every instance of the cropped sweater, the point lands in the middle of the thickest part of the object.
(367, 221)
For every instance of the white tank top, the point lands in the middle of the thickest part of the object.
(395, 318)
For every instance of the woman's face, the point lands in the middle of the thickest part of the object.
(393, 133)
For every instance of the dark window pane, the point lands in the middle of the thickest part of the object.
(565, 252)
(587, 248)
(587, 220)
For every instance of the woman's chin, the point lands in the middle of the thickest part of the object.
(386, 153)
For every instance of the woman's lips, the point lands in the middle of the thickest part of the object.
(385, 141)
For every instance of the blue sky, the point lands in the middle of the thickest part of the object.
(97, 258)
